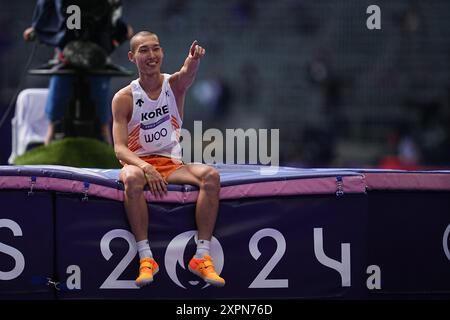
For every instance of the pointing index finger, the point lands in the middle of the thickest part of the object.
(194, 44)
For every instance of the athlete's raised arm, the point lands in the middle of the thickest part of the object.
(180, 81)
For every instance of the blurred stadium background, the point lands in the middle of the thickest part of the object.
(341, 95)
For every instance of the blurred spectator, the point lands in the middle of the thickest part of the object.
(402, 151)
(410, 20)
(250, 83)
(435, 125)
(244, 11)
(214, 95)
(318, 146)
(408, 151)
(320, 73)
(306, 22)
(174, 12)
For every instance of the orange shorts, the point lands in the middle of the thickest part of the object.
(164, 165)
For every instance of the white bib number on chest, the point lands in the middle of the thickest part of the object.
(156, 129)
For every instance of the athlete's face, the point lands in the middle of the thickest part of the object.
(148, 54)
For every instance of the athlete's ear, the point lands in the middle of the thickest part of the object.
(131, 56)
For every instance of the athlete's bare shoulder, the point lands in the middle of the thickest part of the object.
(124, 93)
(123, 98)
(122, 104)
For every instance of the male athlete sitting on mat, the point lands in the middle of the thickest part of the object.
(147, 117)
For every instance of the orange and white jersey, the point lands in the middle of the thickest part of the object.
(154, 128)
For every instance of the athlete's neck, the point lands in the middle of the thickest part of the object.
(151, 82)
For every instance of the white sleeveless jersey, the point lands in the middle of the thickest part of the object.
(154, 128)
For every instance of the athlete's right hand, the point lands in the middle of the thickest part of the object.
(156, 183)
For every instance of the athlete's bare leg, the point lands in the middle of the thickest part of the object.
(208, 180)
(134, 200)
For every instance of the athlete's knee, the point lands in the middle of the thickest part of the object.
(211, 180)
(134, 181)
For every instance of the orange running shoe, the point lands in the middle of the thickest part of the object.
(204, 268)
(147, 269)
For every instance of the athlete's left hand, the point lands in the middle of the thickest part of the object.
(196, 52)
